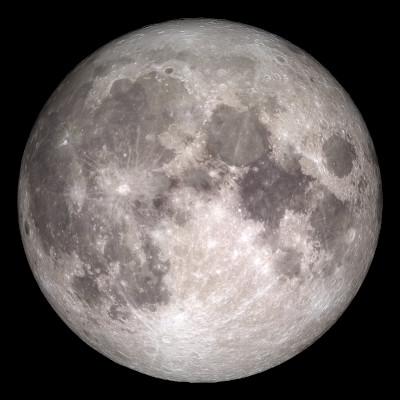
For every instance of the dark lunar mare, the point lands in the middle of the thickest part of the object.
(118, 126)
(330, 221)
(236, 137)
(267, 190)
(340, 155)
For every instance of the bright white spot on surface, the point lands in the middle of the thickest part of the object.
(351, 234)
(123, 189)
(77, 194)
(212, 244)
(213, 173)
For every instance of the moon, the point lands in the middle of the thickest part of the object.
(199, 200)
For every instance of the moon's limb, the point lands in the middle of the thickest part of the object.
(199, 200)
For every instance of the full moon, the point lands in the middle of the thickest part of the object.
(199, 200)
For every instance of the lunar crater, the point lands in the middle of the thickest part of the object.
(340, 155)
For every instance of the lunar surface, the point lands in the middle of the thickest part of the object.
(199, 200)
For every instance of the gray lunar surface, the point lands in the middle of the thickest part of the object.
(199, 200)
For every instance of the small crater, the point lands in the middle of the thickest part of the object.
(281, 59)
(174, 183)
(159, 202)
(273, 106)
(362, 185)
(340, 155)
(169, 70)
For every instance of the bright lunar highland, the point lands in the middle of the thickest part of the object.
(199, 200)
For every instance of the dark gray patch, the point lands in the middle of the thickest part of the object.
(126, 101)
(101, 70)
(163, 206)
(198, 179)
(289, 265)
(116, 313)
(340, 155)
(360, 187)
(86, 289)
(238, 64)
(125, 91)
(280, 59)
(267, 190)
(135, 109)
(115, 248)
(331, 219)
(273, 106)
(26, 228)
(174, 183)
(169, 70)
(144, 285)
(159, 202)
(186, 56)
(238, 138)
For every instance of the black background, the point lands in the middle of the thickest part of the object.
(41, 45)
